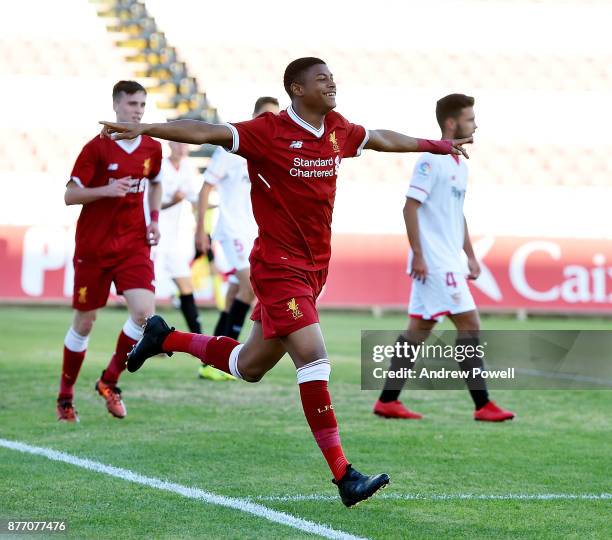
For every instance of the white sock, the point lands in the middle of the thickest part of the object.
(233, 361)
(132, 330)
(319, 370)
(75, 342)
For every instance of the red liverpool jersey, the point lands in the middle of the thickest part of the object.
(112, 227)
(293, 168)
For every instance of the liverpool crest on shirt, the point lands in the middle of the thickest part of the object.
(146, 167)
(334, 142)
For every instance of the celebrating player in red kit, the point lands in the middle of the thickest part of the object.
(113, 244)
(293, 160)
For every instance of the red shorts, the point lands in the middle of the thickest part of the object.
(92, 280)
(286, 297)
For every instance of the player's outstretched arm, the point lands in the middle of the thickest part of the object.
(186, 131)
(384, 140)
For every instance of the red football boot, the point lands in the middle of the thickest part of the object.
(112, 394)
(395, 409)
(65, 411)
(492, 413)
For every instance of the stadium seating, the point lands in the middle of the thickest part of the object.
(536, 101)
(56, 85)
(159, 58)
(518, 86)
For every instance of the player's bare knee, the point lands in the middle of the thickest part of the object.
(467, 324)
(246, 365)
(252, 374)
(245, 289)
(469, 333)
(246, 294)
(252, 378)
(419, 330)
(140, 315)
(83, 322)
(84, 327)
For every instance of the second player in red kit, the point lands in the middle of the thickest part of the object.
(112, 245)
(293, 160)
(111, 235)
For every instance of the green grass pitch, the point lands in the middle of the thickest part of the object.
(252, 441)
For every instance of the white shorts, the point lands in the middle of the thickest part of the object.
(173, 264)
(237, 251)
(443, 293)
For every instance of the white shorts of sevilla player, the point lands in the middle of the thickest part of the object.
(237, 251)
(443, 293)
(173, 263)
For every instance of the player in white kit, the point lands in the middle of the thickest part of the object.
(235, 230)
(438, 234)
(176, 250)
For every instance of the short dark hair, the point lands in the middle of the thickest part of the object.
(128, 87)
(295, 70)
(264, 100)
(451, 106)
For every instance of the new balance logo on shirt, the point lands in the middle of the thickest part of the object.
(296, 144)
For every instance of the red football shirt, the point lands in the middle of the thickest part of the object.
(293, 169)
(112, 227)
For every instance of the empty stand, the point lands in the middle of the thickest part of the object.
(539, 102)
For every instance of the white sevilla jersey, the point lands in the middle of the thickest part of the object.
(178, 219)
(228, 173)
(439, 183)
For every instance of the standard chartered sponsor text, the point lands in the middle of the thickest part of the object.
(301, 168)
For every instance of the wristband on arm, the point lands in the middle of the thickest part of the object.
(154, 216)
(434, 147)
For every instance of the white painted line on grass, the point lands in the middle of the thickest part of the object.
(452, 497)
(243, 505)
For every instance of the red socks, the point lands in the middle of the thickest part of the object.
(312, 380)
(180, 341)
(319, 413)
(211, 350)
(128, 337)
(75, 347)
(71, 366)
(119, 358)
